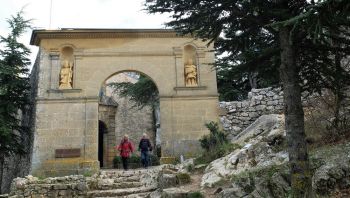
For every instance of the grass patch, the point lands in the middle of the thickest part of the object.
(195, 195)
(87, 174)
(183, 178)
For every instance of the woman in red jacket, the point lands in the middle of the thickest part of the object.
(125, 147)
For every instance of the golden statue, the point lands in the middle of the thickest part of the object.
(190, 73)
(66, 75)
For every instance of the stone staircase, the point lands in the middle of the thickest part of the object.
(119, 183)
(137, 183)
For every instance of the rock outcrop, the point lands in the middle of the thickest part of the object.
(260, 168)
(261, 146)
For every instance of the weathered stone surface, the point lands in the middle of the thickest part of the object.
(241, 114)
(269, 177)
(332, 168)
(186, 166)
(174, 193)
(265, 126)
(133, 183)
(155, 194)
(168, 181)
(260, 148)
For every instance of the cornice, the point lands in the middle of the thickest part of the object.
(38, 35)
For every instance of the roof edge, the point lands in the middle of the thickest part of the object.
(65, 33)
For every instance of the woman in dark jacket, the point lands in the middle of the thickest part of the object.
(145, 146)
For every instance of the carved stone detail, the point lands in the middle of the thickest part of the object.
(67, 68)
(190, 74)
(66, 75)
(190, 66)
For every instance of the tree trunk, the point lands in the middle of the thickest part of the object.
(2, 167)
(252, 76)
(337, 89)
(294, 119)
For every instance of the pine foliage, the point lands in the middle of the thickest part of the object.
(14, 86)
(143, 93)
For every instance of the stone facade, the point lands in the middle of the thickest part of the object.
(68, 118)
(240, 114)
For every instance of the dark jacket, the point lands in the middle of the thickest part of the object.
(145, 145)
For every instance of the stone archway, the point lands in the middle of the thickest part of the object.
(72, 64)
(123, 116)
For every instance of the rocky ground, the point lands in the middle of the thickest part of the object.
(257, 168)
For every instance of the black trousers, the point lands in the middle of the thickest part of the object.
(125, 163)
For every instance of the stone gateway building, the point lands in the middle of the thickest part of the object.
(72, 66)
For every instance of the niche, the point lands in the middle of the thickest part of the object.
(67, 68)
(190, 66)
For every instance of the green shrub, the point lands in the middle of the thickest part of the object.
(195, 195)
(183, 178)
(215, 144)
(216, 137)
(116, 161)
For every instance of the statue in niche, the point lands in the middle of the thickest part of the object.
(190, 73)
(66, 75)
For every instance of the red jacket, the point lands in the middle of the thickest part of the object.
(125, 147)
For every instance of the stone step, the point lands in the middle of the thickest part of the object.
(130, 173)
(121, 192)
(118, 185)
(138, 195)
(118, 179)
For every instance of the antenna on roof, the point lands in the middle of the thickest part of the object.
(50, 14)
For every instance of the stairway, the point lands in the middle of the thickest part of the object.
(119, 183)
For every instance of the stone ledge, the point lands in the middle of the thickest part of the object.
(64, 90)
(41, 100)
(167, 160)
(190, 88)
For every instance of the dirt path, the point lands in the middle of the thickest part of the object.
(194, 186)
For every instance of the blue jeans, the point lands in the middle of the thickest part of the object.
(145, 158)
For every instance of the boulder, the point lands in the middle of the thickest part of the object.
(332, 168)
(174, 193)
(186, 166)
(263, 126)
(167, 181)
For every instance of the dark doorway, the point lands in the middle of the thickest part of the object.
(102, 129)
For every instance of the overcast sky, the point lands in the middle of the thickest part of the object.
(79, 14)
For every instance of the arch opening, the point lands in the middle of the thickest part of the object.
(102, 130)
(128, 104)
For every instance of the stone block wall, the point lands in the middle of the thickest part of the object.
(240, 114)
(70, 125)
(69, 186)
